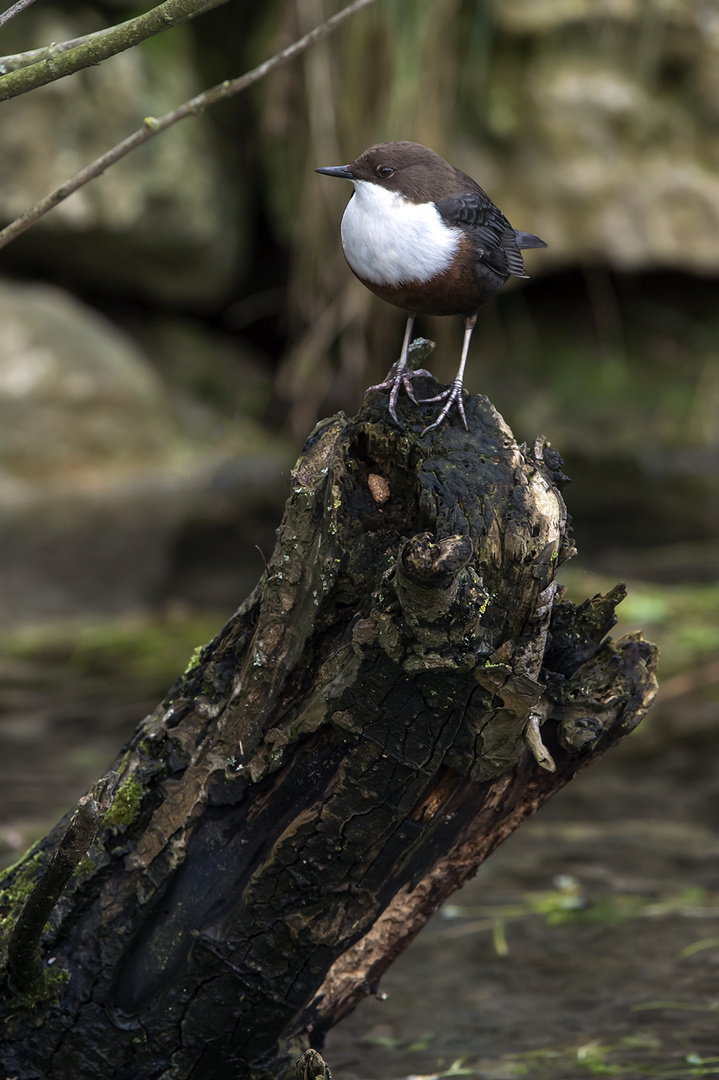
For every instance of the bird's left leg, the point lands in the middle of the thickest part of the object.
(401, 374)
(453, 394)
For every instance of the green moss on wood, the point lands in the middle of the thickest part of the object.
(125, 805)
(21, 879)
(14, 895)
(194, 660)
(85, 867)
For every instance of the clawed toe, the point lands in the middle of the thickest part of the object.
(405, 378)
(393, 384)
(453, 396)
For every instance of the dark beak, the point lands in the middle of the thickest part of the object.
(342, 171)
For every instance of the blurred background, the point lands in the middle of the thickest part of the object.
(171, 333)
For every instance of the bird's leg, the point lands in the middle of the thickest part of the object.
(454, 392)
(401, 374)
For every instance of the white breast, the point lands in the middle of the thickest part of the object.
(391, 241)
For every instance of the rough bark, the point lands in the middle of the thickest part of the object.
(404, 687)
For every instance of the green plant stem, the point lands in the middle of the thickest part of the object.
(14, 61)
(59, 61)
(153, 126)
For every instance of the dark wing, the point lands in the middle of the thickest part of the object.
(493, 236)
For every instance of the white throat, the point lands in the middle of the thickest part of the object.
(389, 240)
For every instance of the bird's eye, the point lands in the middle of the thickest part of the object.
(384, 171)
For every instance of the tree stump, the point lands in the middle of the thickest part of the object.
(404, 686)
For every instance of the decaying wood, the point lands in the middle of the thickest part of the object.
(24, 963)
(312, 1066)
(403, 688)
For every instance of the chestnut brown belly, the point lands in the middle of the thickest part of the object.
(453, 292)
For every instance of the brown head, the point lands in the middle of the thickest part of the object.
(414, 170)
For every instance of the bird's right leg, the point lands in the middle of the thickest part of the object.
(401, 374)
(453, 395)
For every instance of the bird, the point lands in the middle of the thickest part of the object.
(425, 237)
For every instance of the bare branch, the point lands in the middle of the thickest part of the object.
(14, 10)
(97, 47)
(153, 126)
(14, 61)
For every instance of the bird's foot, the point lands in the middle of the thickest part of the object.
(453, 396)
(399, 377)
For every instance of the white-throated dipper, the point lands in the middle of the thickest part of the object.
(425, 237)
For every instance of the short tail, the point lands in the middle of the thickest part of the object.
(528, 240)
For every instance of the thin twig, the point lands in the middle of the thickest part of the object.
(153, 126)
(15, 61)
(14, 10)
(24, 960)
(114, 40)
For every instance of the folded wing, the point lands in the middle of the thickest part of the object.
(498, 244)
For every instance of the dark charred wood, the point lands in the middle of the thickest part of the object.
(25, 968)
(405, 685)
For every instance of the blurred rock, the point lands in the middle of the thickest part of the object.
(101, 468)
(210, 369)
(74, 394)
(163, 222)
(606, 130)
